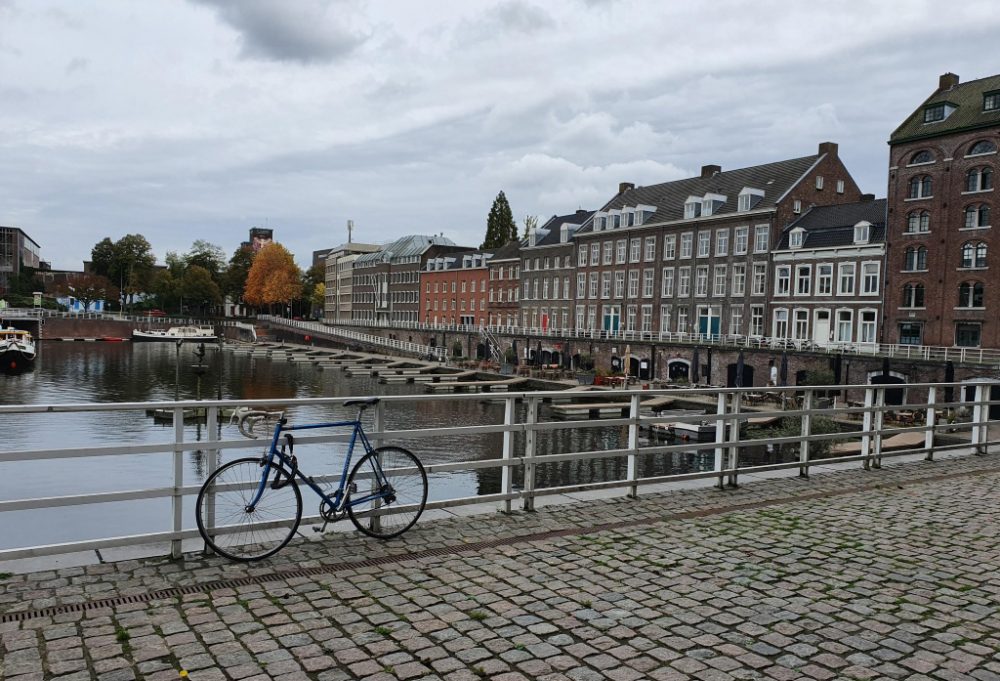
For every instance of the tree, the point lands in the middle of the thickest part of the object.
(235, 279)
(530, 223)
(274, 278)
(208, 256)
(198, 288)
(500, 225)
(166, 288)
(88, 288)
(318, 299)
(127, 262)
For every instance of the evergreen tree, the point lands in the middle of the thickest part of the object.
(500, 225)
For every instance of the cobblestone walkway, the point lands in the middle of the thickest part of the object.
(888, 574)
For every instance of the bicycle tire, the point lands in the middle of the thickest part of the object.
(243, 540)
(408, 488)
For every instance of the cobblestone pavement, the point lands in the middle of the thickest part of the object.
(888, 574)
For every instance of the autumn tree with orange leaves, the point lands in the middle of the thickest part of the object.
(274, 278)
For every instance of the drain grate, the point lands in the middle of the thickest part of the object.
(333, 568)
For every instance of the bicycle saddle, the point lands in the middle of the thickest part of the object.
(367, 402)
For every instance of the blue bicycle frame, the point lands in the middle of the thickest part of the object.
(336, 499)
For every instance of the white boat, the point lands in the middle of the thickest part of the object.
(184, 334)
(17, 350)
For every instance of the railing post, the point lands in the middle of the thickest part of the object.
(879, 421)
(177, 498)
(633, 445)
(866, 428)
(720, 436)
(507, 472)
(930, 422)
(213, 461)
(807, 405)
(529, 454)
(734, 440)
(978, 436)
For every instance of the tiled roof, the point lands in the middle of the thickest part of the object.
(830, 226)
(509, 252)
(967, 97)
(553, 226)
(774, 179)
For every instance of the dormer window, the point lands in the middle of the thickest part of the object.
(796, 237)
(710, 203)
(692, 207)
(643, 213)
(599, 222)
(749, 198)
(938, 112)
(862, 232)
(991, 101)
(615, 220)
(629, 218)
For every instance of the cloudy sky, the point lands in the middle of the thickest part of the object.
(188, 119)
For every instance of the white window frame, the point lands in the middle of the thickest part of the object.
(648, 276)
(756, 327)
(701, 281)
(684, 282)
(721, 276)
(595, 253)
(649, 254)
(779, 323)
(820, 278)
(741, 235)
(687, 245)
(669, 246)
(722, 242)
(800, 279)
(739, 279)
(619, 284)
(865, 278)
(758, 284)
(667, 285)
(782, 281)
(761, 238)
(704, 244)
(871, 337)
(841, 269)
(621, 251)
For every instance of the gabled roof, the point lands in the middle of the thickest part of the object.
(553, 227)
(511, 251)
(968, 114)
(774, 179)
(831, 226)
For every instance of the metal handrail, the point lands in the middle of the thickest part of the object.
(730, 410)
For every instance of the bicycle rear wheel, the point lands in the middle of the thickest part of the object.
(391, 509)
(233, 529)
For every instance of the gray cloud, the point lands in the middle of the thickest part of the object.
(77, 64)
(305, 31)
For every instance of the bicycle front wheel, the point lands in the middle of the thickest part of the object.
(388, 509)
(234, 529)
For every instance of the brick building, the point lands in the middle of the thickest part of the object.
(547, 270)
(942, 165)
(503, 310)
(693, 255)
(827, 275)
(454, 288)
(386, 283)
(339, 279)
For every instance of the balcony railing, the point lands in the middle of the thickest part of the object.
(867, 434)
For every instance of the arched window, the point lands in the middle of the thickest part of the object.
(974, 254)
(920, 187)
(915, 259)
(977, 215)
(913, 295)
(918, 222)
(982, 147)
(922, 156)
(979, 179)
(970, 294)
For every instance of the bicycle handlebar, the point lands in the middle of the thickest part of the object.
(247, 419)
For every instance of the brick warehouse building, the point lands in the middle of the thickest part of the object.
(693, 255)
(942, 166)
(454, 290)
(505, 286)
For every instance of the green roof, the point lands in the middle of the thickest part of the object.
(967, 98)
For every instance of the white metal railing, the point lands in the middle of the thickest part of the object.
(966, 355)
(872, 429)
(350, 334)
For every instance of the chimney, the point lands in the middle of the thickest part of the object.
(828, 148)
(947, 81)
(581, 211)
(350, 228)
(625, 186)
(710, 170)
(867, 197)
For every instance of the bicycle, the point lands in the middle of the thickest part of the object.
(258, 501)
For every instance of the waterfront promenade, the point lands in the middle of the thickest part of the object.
(885, 574)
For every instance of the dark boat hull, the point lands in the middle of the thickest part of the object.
(16, 362)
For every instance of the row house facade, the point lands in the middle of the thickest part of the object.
(386, 283)
(827, 275)
(943, 250)
(694, 255)
(454, 288)
(503, 309)
(547, 273)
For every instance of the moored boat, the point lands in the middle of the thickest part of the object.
(17, 350)
(184, 334)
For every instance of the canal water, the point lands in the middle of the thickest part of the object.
(141, 372)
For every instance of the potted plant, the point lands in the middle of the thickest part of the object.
(585, 370)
